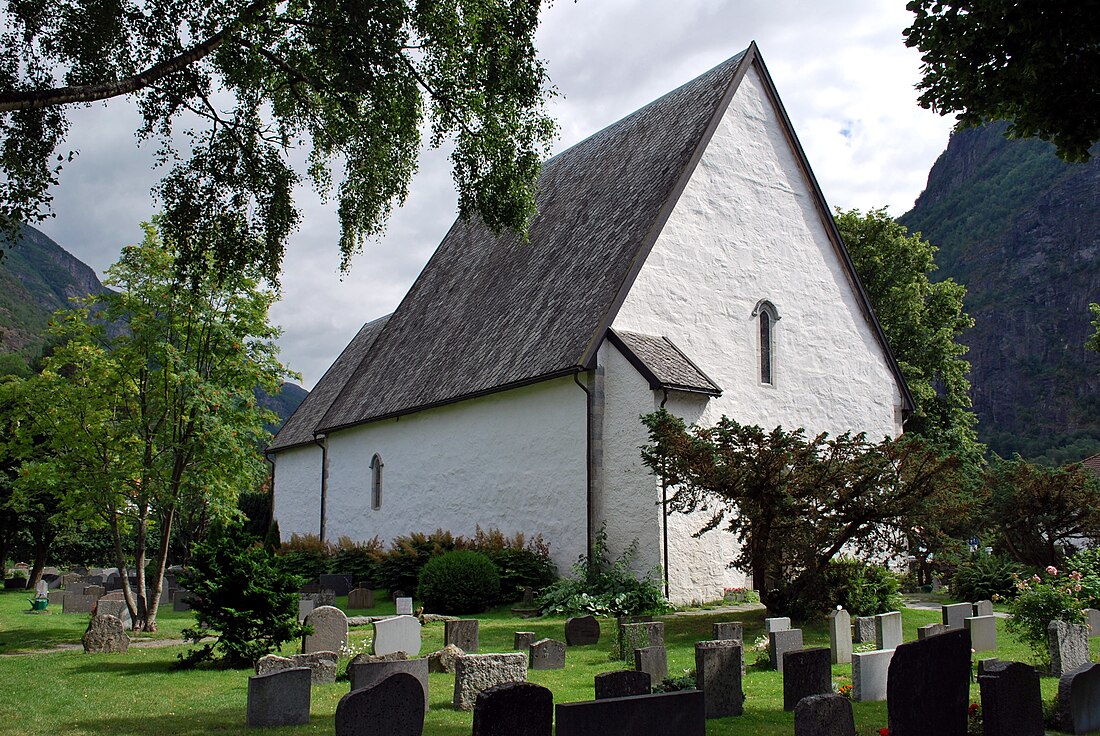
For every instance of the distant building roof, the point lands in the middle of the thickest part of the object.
(1092, 463)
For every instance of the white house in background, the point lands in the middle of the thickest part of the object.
(682, 257)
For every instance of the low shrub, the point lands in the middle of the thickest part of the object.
(361, 560)
(1087, 563)
(305, 555)
(459, 582)
(400, 570)
(1041, 599)
(862, 588)
(984, 576)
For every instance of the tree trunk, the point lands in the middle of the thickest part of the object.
(162, 564)
(123, 573)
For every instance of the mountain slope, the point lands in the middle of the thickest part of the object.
(1021, 229)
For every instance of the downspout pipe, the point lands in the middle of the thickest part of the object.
(589, 501)
(322, 442)
(664, 509)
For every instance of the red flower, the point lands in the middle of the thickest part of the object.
(973, 709)
(884, 732)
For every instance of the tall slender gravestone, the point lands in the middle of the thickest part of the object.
(1069, 646)
(888, 630)
(718, 675)
(805, 672)
(780, 642)
(840, 637)
(929, 686)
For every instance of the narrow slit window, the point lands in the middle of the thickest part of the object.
(766, 315)
(376, 482)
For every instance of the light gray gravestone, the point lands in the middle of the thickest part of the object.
(923, 632)
(367, 674)
(330, 630)
(787, 640)
(462, 633)
(639, 635)
(840, 636)
(1012, 701)
(41, 589)
(652, 660)
(863, 629)
(404, 606)
(955, 614)
(524, 640)
(806, 672)
(305, 607)
(983, 632)
(71, 582)
(1069, 646)
(97, 590)
(361, 598)
(983, 608)
(279, 698)
(547, 654)
(398, 634)
(77, 603)
(870, 672)
(718, 675)
(779, 623)
(322, 665)
(114, 595)
(105, 635)
(824, 715)
(56, 597)
(477, 672)
(888, 630)
(727, 631)
(1094, 621)
(443, 660)
(1078, 700)
(115, 607)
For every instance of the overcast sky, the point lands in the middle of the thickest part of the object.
(841, 68)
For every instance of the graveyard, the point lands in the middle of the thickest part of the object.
(67, 691)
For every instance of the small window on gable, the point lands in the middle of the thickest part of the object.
(766, 316)
(376, 482)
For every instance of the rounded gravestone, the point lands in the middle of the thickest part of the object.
(582, 630)
(105, 634)
(392, 707)
(330, 630)
(824, 715)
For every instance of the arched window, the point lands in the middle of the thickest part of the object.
(767, 315)
(376, 482)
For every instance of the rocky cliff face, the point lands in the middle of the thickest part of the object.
(1021, 230)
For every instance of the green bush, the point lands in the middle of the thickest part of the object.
(305, 555)
(863, 589)
(1087, 563)
(985, 576)
(522, 568)
(459, 582)
(1040, 600)
(400, 570)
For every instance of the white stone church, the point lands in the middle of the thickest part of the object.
(682, 257)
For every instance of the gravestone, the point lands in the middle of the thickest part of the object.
(547, 654)
(443, 660)
(462, 633)
(112, 582)
(639, 635)
(523, 640)
(718, 675)
(888, 630)
(390, 707)
(787, 640)
(929, 686)
(582, 631)
(666, 714)
(514, 709)
(806, 672)
(52, 581)
(114, 595)
(863, 629)
(983, 608)
(475, 673)
(330, 630)
(397, 594)
(840, 636)
(1094, 621)
(923, 632)
(1069, 646)
(41, 589)
(622, 684)
(1079, 700)
(727, 630)
(321, 665)
(397, 634)
(114, 607)
(983, 633)
(78, 603)
(1012, 702)
(824, 715)
(404, 606)
(71, 580)
(279, 698)
(870, 671)
(97, 590)
(305, 607)
(779, 623)
(653, 661)
(181, 600)
(955, 614)
(985, 664)
(323, 597)
(361, 598)
(105, 635)
(338, 584)
(57, 597)
(366, 673)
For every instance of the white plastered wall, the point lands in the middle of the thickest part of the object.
(298, 490)
(514, 460)
(746, 228)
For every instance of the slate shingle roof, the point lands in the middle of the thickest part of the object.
(662, 363)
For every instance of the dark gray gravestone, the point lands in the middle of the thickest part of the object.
(1069, 646)
(547, 654)
(279, 698)
(824, 715)
(727, 630)
(653, 660)
(97, 590)
(181, 600)
(523, 640)
(514, 709)
(105, 634)
(928, 689)
(666, 714)
(955, 614)
(116, 608)
(863, 629)
(390, 707)
(1012, 703)
(462, 633)
(581, 631)
(1079, 700)
(367, 674)
(361, 598)
(923, 632)
(338, 584)
(322, 665)
(718, 675)
(783, 641)
(77, 603)
(622, 684)
(806, 672)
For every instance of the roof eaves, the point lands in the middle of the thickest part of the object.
(717, 390)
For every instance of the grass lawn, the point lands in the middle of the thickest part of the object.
(69, 692)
